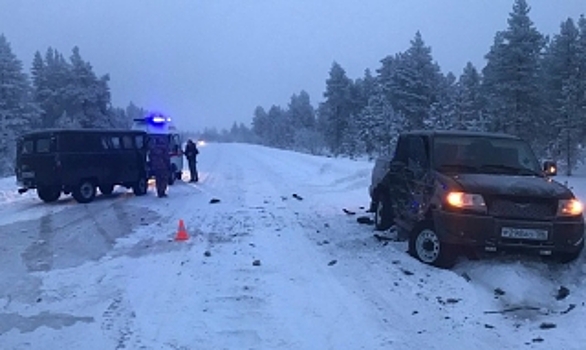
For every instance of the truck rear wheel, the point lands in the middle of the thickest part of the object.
(383, 214)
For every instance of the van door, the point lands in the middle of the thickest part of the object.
(37, 162)
(176, 154)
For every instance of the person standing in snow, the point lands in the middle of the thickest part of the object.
(191, 153)
(160, 162)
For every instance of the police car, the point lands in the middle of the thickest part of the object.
(159, 124)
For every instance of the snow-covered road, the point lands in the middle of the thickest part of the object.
(275, 264)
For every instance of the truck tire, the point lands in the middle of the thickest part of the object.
(383, 213)
(426, 246)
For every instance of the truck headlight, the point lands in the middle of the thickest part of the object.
(570, 207)
(466, 201)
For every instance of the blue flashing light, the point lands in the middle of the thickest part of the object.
(158, 119)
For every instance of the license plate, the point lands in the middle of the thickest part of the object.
(28, 174)
(524, 233)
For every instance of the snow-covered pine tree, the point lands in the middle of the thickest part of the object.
(414, 83)
(379, 125)
(443, 112)
(470, 100)
(562, 88)
(336, 108)
(360, 92)
(49, 81)
(135, 112)
(260, 124)
(301, 111)
(511, 77)
(88, 97)
(18, 112)
(302, 120)
(277, 126)
(581, 74)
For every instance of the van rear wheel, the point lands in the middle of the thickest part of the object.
(49, 194)
(172, 175)
(140, 187)
(85, 191)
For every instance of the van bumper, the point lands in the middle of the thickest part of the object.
(565, 236)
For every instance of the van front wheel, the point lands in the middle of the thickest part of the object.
(85, 191)
(49, 194)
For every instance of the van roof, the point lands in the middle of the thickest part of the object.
(82, 131)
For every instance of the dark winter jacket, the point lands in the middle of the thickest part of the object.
(191, 151)
(159, 154)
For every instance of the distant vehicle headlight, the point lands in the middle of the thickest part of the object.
(570, 207)
(201, 143)
(466, 201)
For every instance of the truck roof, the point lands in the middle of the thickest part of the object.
(460, 133)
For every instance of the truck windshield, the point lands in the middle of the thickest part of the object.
(475, 154)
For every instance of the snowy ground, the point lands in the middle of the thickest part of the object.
(108, 275)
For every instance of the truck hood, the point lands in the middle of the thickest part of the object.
(531, 186)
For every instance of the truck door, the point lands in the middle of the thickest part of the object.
(420, 182)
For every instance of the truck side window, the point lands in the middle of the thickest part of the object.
(402, 150)
(418, 159)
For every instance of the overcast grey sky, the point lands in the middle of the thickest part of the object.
(211, 62)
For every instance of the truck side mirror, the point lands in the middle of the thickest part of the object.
(550, 168)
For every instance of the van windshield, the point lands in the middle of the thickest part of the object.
(484, 155)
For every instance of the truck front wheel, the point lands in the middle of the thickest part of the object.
(426, 246)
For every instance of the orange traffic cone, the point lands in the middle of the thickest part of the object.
(181, 232)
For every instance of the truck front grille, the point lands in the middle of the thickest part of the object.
(522, 208)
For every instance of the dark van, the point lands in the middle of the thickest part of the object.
(80, 161)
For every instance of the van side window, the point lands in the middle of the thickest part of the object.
(43, 145)
(175, 145)
(115, 141)
(27, 147)
(127, 142)
(105, 143)
(139, 140)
